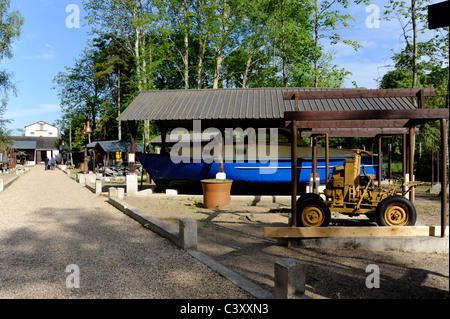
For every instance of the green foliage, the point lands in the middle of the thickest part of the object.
(168, 44)
(429, 59)
(10, 25)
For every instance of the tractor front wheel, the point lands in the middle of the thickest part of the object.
(313, 212)
(396, 211)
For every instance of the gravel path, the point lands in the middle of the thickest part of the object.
(48, 222)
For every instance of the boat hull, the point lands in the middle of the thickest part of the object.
(277, 172)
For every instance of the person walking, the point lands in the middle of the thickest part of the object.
(52, 163)
(46, 163)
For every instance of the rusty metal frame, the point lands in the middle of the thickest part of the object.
(358, 123)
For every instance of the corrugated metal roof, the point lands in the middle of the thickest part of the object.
(24, 145)
(115, 146)
(193, 137)
(42, 143)
(241, 104)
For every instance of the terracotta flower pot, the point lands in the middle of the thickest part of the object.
(216, 193)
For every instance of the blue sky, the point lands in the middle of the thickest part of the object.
(47, 45)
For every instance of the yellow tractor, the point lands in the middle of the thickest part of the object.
(352, 193)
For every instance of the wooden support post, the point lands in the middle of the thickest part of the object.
(404, 164)
(411, 161)
(314, 163)
(294, 174)
(327, 158)
(390, 161)
(132, 127)
(438, 171)
(444, 176)
(421, 99)
(432, 168)
(222, 150)
(380, 163)
(163, 141)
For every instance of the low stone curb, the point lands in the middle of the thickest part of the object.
(12, 180)
(171, 234)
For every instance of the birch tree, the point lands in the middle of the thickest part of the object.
(412, 16)
(175, 18)
(10, 26)
(129, 21)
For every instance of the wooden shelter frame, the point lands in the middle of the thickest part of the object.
(374, 123)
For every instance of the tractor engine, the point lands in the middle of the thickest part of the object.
(341, 187)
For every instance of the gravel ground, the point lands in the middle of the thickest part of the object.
(234, 237)
(49, 222)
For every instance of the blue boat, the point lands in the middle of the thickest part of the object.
(244, 173)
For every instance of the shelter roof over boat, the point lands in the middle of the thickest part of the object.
(114, 146)
(256, 107)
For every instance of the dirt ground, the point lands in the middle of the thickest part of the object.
(234, 236)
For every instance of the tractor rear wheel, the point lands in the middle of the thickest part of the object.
(396, 211)
(313, 212)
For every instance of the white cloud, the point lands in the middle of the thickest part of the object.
(46, 52)
(44, 55)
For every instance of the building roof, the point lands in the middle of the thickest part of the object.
(24, 145)
(42, 143)
(193, 137)
(250, 107)
(40, 122)
(115, 146)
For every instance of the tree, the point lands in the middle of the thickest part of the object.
(176, 22)
(130, 21)
(327, 18)
(413, 19)
(81, 91)
(432, 71)
(114, 68)
(10, 26)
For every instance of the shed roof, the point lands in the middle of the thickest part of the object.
(192, 137)
(42, 143)
(254, 106)
(24, 145)
(115, 146)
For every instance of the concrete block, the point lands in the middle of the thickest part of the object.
(91, 178)
(221, 175)
(81, 179)
(145, 192)
(290, 276)
(112, 192)
(98, 187)
(132, 184)
(120, 193)
(171, 191)
(188, 233)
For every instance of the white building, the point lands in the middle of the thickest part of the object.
(41, 129)
(40, 142)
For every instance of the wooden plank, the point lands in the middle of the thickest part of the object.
(355, 93)
(359, 115)
(357, 132)
(368, 231)
(350, 124)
